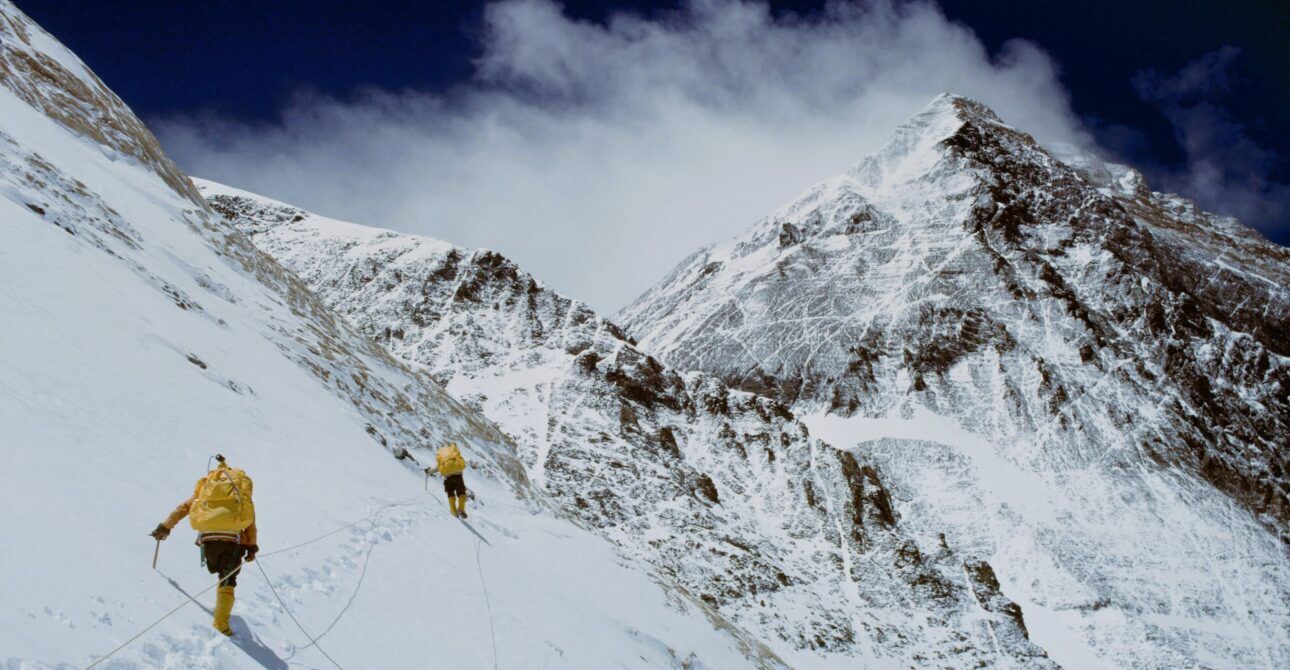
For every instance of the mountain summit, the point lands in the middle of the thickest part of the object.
(1053, 405)
(1087, 380)
(720, 489)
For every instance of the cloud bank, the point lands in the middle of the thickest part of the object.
(597, 156)
(1225, 171)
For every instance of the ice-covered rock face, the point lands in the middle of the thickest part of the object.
(48, 77)
(140, 333)
(964, 237)
(722, 490)
(169, 244)
(1055, 363)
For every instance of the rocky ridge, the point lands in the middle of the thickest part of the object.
(964, 303)
(721, 489)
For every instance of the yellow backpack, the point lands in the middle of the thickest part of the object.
(222, 502)
(450, 461)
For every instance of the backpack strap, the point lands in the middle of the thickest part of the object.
(223, 469)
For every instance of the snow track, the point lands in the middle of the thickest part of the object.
(141, 334)
(702, 482)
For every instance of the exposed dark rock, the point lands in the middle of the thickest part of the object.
(705, 486)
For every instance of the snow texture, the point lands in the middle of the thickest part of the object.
(1079, 380)
(722, 490)
(141, 334)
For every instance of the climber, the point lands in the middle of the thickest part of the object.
(450, 464)
(222, 513)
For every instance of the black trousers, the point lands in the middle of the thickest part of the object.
(222, 558)
(455, 486)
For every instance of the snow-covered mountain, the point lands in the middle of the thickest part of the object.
(722, 490)
(141, 333)
(1078, 379)
(1063, 400)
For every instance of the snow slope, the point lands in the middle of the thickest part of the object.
(1080, 380)
(141, 334)
(720, 489)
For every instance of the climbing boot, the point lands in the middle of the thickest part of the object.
(223, 608)
(461, 507)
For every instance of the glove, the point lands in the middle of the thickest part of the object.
(160, 533)
(251, 550)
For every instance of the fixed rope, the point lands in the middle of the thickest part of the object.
(312, 640)
(238, 569)
(152, 625)
(344, 528)
(492, 632)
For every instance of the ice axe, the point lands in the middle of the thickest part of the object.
(156, 551)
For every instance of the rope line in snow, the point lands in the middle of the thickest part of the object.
(238, 569)
(294, 620)
(345, 527)
(492, 632)
(152, 625)
(357, 587)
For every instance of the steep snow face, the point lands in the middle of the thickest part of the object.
(721, 490)
(140, 334)
(1054, 364)
(53, 81)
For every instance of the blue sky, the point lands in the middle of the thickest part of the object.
(1195, 94)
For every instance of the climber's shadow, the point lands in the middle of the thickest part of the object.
(243, 638)
(249, 643)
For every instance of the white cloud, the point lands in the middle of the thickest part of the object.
(597, 156)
